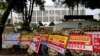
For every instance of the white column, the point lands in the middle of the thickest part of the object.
(42, 16)
(48, 16)
(36, 16)
(54, 15)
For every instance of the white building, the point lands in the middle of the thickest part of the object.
(51, 14)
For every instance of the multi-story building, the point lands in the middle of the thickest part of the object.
(51, 14)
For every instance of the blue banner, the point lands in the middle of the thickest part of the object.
(11, 39)
(12, 36)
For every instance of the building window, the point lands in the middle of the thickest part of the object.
(33, 19)
(51, 13)
(45, 13)
(75, 12)
(39, 13)
(45, 19)
(34, 13)
(51, 19)
(57, 13)
(64, 12)
(58, 19)
(82, 12)
(39, 19)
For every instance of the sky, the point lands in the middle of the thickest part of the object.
(92, 12)
(88, 11)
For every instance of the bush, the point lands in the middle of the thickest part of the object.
(34, 26)
(51, 24)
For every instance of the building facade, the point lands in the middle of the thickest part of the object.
(51, 14)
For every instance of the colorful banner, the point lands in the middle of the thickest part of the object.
(96, 40)
(35, 43)
(80, 42)
(57, 42)
(25, 38)
(11, 38)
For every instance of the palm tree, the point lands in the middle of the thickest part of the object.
(70, 4)
(77, 4)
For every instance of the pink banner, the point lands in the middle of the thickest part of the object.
(35, 44)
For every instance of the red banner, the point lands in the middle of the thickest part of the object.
(80, 42)
(96, 40)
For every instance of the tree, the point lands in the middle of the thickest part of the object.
(19, 6)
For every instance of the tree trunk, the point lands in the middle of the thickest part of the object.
(69, 11)
(27, 16)
(1, 31)
(4, 19)
(77, 10)
(72, 10)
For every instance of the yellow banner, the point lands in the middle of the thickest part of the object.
(80, 38)
(58, 40)
(29, 36)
